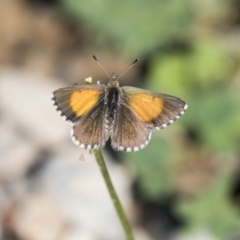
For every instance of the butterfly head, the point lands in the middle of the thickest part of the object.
(113, 82)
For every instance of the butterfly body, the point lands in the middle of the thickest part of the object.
(127, 115)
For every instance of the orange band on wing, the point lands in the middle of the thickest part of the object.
(83, 101)
(145, 106)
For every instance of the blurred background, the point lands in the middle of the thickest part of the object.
(185, 185)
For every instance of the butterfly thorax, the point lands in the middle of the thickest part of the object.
(111, 102)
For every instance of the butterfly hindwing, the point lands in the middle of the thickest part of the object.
(89, 132)
(128, 134)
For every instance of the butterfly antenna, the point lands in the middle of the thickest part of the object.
(128, 68)
(94, 57)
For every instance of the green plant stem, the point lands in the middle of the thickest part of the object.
(113, 194)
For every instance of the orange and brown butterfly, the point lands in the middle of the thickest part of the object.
(127, 115)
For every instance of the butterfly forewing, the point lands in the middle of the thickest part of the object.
(173, 109)
(156, 110)
(75, 102)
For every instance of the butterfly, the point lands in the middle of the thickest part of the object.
(127, 115)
